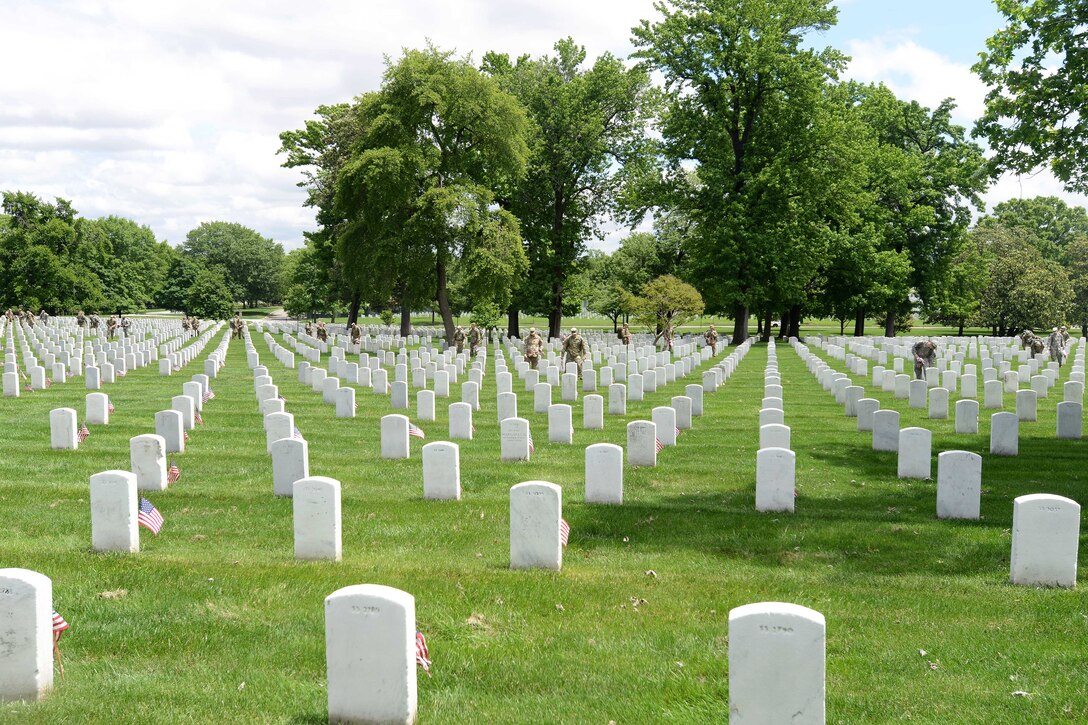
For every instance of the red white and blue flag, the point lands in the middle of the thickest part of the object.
(208, 395)
(660, 446)
(199, 420)
(423, 657)
(415, 431)
(149, 517)
(109, 406)
(564, 532)
(174, 474)
(532, 448)
(59, 625)
(83, 433)
(296, 433)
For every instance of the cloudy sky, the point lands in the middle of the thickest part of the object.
(169, 112)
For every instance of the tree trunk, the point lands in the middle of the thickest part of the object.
(767, 326)
(759, 326)
(513, 325)
(784, 324)
(961, 327)
(889, 324)
(1084, 329)
(740, 324)
(795, 322)
(842, 326)
(353, 309)
(405, 319)
(859, 322)
(443, 296)
(555, 316)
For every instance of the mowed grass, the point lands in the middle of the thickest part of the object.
(213, 621)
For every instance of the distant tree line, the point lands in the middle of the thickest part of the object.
(53, 259)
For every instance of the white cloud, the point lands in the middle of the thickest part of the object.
(169, 112)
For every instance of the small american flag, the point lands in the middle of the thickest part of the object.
(283, 398)
(415, 431)
(532, 448)
(199, 420)
(174, 474)
(59, 625)
(48, 382)
(83, 433)
(149, 517)
(564, 531)
(208, 395)
(423, 657)
(121, 373)
(297, 433)
(186, 434)
(474, 429)
(109, 406)
(678, 432)
(659, 445)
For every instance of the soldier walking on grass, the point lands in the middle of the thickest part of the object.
(111, 327)
(322, 333)
(459, 339)
(925, 355)
(474, 337)
(1056, 346)
(711, 337)
(533, 347)
(81, 319)
(574, 350)
(125, 325)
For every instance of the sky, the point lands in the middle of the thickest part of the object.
(169, 112)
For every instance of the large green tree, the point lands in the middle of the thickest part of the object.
(747, 108)
(126, 258)
(1053, 224)
(1036, 68)
(251, 264)
(589, 127)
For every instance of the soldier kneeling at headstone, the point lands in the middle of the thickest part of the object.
(925, 355)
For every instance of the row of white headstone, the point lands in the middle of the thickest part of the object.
(1046, 528)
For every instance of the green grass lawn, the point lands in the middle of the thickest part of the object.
(213, 621)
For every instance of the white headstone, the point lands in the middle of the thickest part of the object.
(604, 473)
(395, 436)
(26, 637)
(442, 471)
(915, 453)
(776, 664)
(1027, 405)
(560, 424)
(535, 510)
(184, 405)
(775, 479)
(147, 455)
(1045, 538)
(617, 399)
(1070, 420)
(771, 416)
(460, 421)
(169, 425)
(593, 412)
(290, 463)
(992, 394)
(62, 429)
(114, 523)
(959, 484)
(97, 409)
(866, 408)
(276, 427)
(1004, 434)
(370, 645)
(967, 416)
(317, 518)
(507, 406)
(642, 443)
(886, 430)
(664, 418)
(542, 397)
(425, 405)
(938, 404)
(514, 439)
(345, 401)
(774, 436)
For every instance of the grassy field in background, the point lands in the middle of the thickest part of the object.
(215, 622)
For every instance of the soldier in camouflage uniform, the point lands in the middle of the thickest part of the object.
(44, 318)
(625, 335)
(194, 325)
(533, 347)
(322, 333)
(474, 337)
(94, 321)
(29, 318)
(666, 337)
(111, 327)
(711, 337)
(1026, 338)
(125, 325)
(81, 319)
(1056, 346)
(10, 315)
(574, 350)
(356, 334)
(459, 339)
(925, 355)
(309, 329)
(236, 325)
